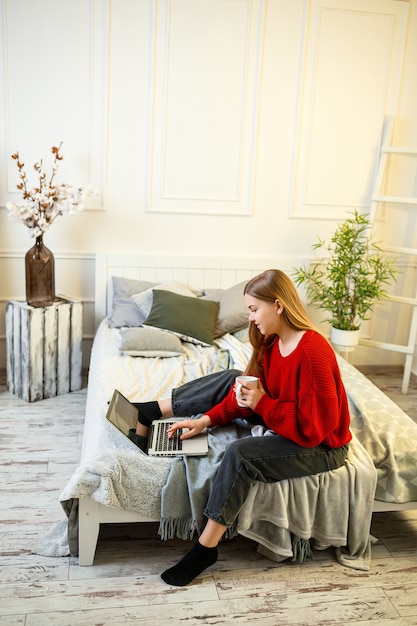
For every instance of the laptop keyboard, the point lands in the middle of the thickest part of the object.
(163, 444)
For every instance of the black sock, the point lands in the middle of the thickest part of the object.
(141, 442)
(147, 412)
(190, 566)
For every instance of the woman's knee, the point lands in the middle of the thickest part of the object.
(240, 451)
(242, 458)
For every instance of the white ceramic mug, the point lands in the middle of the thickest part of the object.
(252, 380)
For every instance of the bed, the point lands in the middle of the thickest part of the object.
(139, 351)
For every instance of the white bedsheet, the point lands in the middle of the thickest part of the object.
(139, 379)
(113, 471)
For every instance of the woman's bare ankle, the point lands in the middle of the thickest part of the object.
(165, 407)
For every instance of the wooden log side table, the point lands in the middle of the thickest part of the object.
(44, 354)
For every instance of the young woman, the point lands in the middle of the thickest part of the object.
(300, 397)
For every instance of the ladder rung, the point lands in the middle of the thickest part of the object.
(399, 150)
(401, 299)
(394, 199)
(387, 346)
(400, 250)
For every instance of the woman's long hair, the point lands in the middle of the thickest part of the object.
(269, 286)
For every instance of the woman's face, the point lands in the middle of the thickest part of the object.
(263, 314)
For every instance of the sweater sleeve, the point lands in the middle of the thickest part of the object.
(228, 410)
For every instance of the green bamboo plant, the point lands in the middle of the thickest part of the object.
(349, 279)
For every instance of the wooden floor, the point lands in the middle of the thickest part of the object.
(40, 448)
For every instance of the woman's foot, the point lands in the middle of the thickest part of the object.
(147, 412)
(141, 442)
(190, 566)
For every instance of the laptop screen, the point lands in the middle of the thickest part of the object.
(124, 416)
(121, 413)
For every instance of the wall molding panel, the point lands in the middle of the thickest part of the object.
(222, 128)
(204, 109)
(352, 58)
(77, 69)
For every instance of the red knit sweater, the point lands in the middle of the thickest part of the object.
(305, 399)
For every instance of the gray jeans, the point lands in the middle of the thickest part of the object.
(202, 394)
(267, 459)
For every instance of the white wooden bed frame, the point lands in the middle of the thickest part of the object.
(197, 272)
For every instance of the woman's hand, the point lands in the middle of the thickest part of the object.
(250, 395)
(194, 427)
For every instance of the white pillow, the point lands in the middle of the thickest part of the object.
(144, 299)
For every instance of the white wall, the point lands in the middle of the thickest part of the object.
(228, 125)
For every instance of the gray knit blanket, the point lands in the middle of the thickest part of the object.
(286, 518)
(187, 489)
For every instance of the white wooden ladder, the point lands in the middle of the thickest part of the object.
(377, 198)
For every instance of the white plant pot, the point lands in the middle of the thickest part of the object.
(345, 340)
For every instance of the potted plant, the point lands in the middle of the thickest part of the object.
(349, 278)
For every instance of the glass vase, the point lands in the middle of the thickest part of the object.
(40, 275)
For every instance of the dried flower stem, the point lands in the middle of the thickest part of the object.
(44, 203)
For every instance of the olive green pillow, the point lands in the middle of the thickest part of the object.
(190, 318)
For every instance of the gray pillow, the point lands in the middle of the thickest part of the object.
(149, 342)
(124, 310)
(193, 318)
(233, 313)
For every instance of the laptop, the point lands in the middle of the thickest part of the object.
(124, 416)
